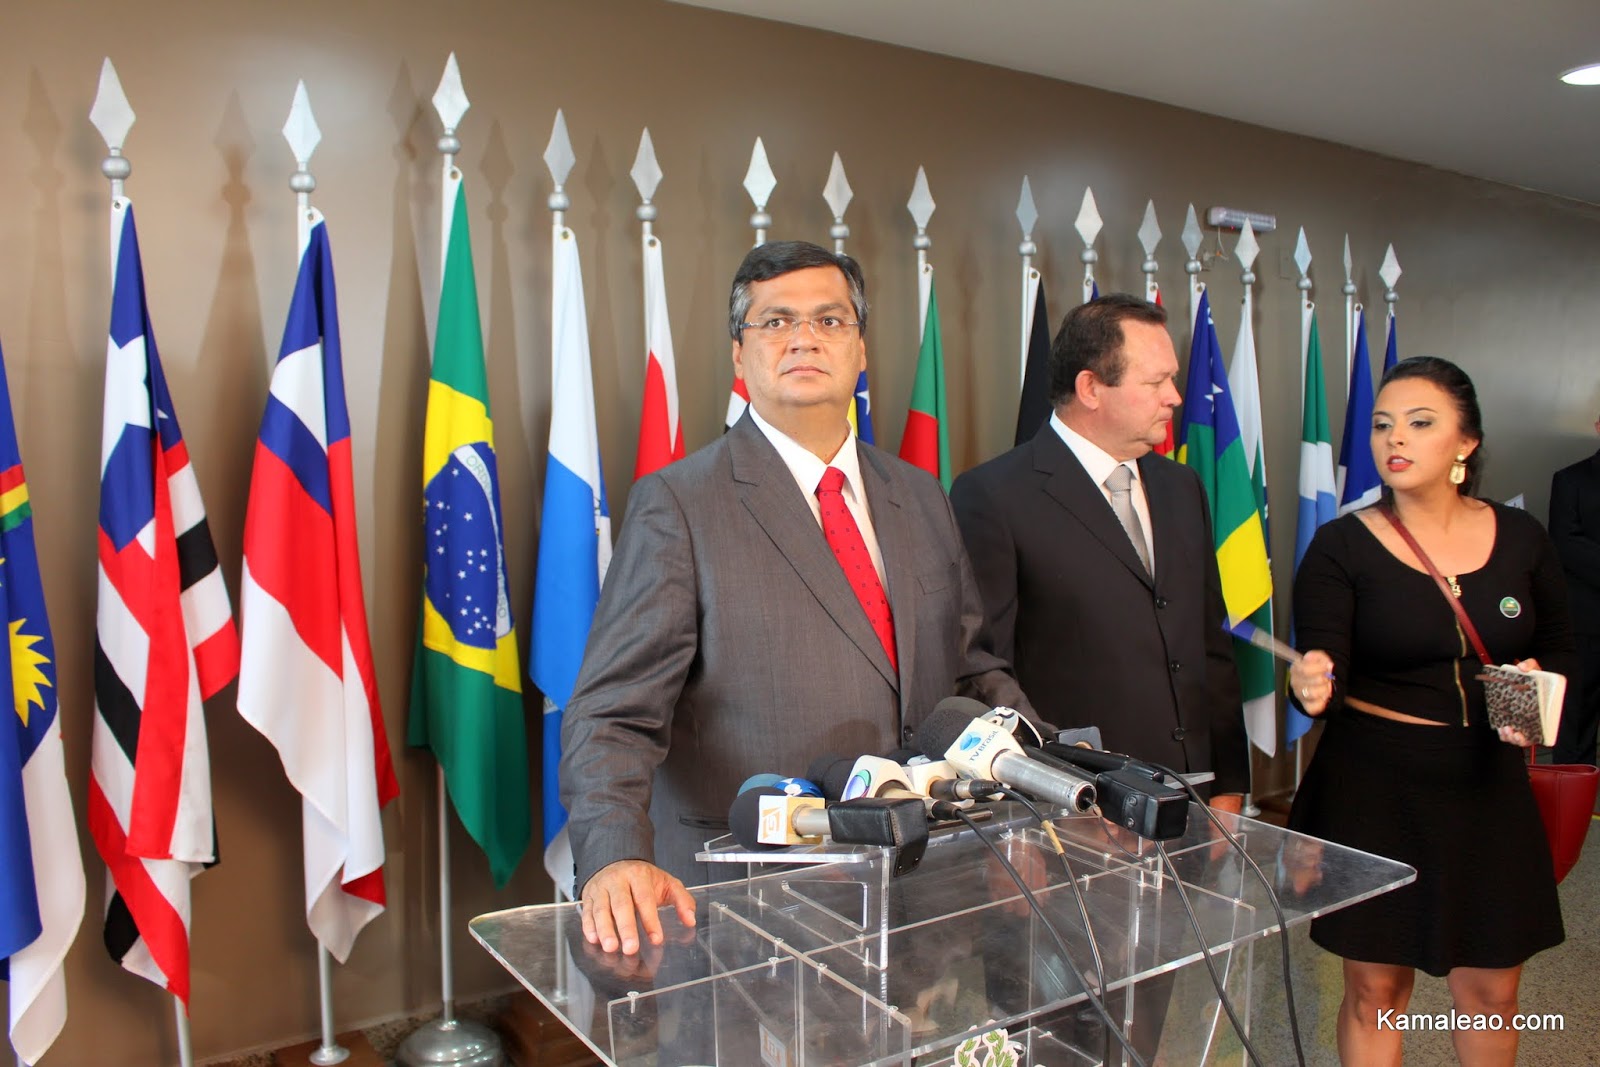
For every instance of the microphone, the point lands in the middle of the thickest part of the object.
(958, 732)
(767, 818)
(1131, 793)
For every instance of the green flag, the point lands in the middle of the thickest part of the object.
(466, 689)
(926, 442)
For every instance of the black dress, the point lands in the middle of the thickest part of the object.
(1451, 800)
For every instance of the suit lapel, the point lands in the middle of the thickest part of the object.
(1069, 485)
(769, 493)
(895, 545)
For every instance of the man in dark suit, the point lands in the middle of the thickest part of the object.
(1099, 636)
(1575, 529)
(784, 593)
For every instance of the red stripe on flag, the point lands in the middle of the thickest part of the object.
(1167, 447)
(216, 660)
(164, 711)
(660, 442)
(368, 887)
(10, 478)
(920, 445)
(288, 545)
(352, 601)
(160, 926)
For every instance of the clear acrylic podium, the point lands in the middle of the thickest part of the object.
(832, 961)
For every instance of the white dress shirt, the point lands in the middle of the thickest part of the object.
(1098, 464)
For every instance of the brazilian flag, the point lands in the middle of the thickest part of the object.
(466, 690)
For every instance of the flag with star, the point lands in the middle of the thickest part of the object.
(466, 691)
(41, 870)
(307, 680)
(165, 642)
(1318, 501)
(1214, 447)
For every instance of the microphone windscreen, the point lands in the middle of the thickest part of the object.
(798, 787)
(836, 777)
(744, 817)
(759, 780)
(819, 769)
(940, 730)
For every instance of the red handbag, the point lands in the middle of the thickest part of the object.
(1565, 792)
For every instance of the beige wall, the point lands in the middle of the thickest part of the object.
(1501, 279)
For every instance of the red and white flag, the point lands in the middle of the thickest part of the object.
(165, 641)
(660, 426)
(306, 680)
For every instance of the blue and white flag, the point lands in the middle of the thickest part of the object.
(574, 535)
(1318, 499)
(1357, 480)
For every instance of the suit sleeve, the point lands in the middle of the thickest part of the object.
(988, 600)
(1230, 747)
(617, 727)
(1579, 549)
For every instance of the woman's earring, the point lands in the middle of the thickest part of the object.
(1458, 469)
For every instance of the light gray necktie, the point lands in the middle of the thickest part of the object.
(1120, 482)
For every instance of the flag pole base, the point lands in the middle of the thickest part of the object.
(456, 1042)
(328, 1055)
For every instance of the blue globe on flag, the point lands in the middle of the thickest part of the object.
(465, 580)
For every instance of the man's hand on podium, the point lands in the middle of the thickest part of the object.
(623, 897)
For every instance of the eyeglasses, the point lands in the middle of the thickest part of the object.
(783, 327)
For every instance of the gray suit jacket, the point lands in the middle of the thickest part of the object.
(1095, 640)
(728, 643)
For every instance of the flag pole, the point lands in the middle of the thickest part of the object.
(1390, 273)
(1246, 251)
(303, 136)
(113, 116)
(1302, 260)
(921, 207)
(837, 193)
(1349, 316)
(1192, 237)
(448, 1040)
(759, 183)
(1088, 227)
(1027, 215)
(1149, 237)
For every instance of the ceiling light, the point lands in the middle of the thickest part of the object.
(1589, 75)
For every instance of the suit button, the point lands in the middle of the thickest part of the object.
(1179, 733)
(906, 734)
(1174, 666)
(1161, 602)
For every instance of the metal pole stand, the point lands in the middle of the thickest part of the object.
(451, 1041)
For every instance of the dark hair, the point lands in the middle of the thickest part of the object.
(1090, 339)
(776, 258)
(1454, 381)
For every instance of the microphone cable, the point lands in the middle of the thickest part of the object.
(1066, 955)
(1272, 898)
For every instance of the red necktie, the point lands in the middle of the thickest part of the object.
(844, 537)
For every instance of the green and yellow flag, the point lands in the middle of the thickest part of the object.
(1213, 446)
(466, 691)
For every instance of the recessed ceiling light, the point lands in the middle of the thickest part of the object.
(1589, 75)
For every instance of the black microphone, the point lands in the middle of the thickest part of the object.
(767, 818)
(958, 731)
(1131, 793)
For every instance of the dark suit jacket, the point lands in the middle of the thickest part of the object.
(1575, 529)
(1093, 641)
(728, 642)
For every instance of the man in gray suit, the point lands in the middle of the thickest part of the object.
(757, 613)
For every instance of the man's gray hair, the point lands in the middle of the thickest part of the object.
(776, 258)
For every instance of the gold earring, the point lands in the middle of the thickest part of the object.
(1458, 469)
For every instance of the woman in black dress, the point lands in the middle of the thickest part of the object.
(1408, 766)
